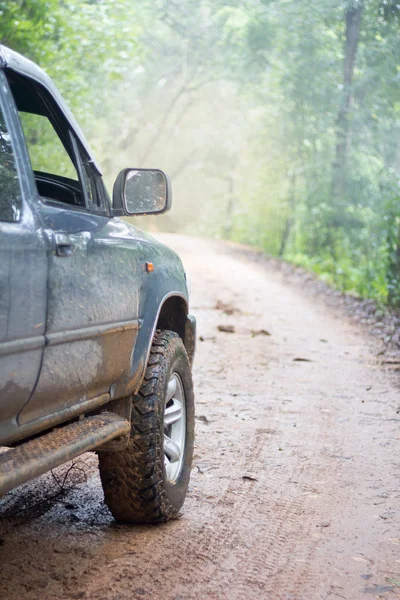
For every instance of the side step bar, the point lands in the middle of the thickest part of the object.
(48, 451)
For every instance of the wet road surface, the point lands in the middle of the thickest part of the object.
(295, 485)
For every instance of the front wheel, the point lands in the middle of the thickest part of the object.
(147, 482)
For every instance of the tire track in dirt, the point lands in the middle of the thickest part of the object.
(279, 498)
(278, 501)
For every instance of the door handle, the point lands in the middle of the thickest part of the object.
(63, 245)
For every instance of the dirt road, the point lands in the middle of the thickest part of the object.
(295, 486)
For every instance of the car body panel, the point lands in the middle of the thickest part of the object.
(92, 314)
(23, 291)
(98, 305)
(83, 360)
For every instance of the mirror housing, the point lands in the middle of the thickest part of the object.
(141, 192)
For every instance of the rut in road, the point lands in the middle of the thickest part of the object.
(295, 484)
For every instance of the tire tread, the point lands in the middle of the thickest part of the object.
(133, 478)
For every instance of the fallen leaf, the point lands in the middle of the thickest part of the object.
(226, 328)
(203, 419)
(255, 332)
(228, 309)
(300, 359)
(249, 478)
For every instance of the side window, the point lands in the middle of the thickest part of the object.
(10, 192)
(46, 151)
(51, 147)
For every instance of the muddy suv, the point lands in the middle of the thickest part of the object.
(96, 343)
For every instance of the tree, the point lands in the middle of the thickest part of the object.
(352, 17)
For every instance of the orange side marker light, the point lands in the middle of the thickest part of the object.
(149, 267)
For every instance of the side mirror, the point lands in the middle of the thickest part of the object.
(140, 192)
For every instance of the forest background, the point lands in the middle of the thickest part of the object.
(277, 120)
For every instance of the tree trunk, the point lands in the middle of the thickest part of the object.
(343, 130)
(230, 209)
(289, 222)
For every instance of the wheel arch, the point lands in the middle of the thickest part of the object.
(172, 315)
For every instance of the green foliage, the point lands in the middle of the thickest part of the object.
(351, 240)
(278, 122)
(391, 249)
(27, 27)
(86, 46)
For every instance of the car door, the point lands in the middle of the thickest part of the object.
(92, 315)
(23, 273)
(94, 273)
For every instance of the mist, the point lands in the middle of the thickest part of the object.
(277, 122)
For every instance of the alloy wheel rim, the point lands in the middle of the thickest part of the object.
(174, 427)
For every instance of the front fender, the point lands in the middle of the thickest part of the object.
(167, 281)
(144, 341)
(190, 337)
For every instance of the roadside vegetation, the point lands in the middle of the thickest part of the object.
(277, 120)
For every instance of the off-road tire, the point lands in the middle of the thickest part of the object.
(136, 489)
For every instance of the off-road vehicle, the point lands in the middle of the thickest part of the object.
(96, 341)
